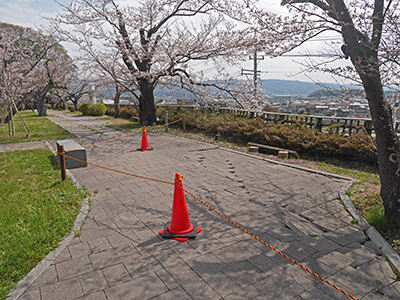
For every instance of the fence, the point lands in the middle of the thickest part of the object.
(338, 124)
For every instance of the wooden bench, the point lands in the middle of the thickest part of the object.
(74, 150)
(272, 150)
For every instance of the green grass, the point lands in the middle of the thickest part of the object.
(361, 175)
(122, 125)
(37, 210)
(40, 129)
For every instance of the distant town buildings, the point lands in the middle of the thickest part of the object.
(324, 106)
(318, 106)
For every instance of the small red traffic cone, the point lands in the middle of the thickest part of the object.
(145, 144)
(180, 227)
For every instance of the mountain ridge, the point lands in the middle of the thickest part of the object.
(270, 86)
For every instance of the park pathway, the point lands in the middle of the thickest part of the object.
(119, 254)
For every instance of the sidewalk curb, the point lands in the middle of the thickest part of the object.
(391, 255)
(23, 285)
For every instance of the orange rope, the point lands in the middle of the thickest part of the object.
(271, 247)
(166, 124)
(223, 216)
(121, 172)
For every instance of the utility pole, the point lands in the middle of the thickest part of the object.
(254, 72)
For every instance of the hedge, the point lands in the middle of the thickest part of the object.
(90, 109)
(306, 141)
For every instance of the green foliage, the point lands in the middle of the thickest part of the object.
(37, 210)
(306, 141)
(98, 109)
(90, 109)
(334, 93)
(376, 217)
(84, 108)
(326, 93)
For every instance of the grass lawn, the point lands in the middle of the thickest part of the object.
(40, 129)
(37, 209)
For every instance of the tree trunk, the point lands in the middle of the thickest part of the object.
(363, 53)
(117, 107)
(147, 108)
(41, 103)
(75, 105)
(41, 106)
(388, 146)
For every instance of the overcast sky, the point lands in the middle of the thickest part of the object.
(30, 13)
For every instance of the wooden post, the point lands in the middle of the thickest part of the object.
(11, 128)
(166, 121)
(22, 120)
(183, 125)
(350, 127)
(62, 162)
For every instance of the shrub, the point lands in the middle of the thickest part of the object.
(306, 141)
(128, 112)
(98, 109)
(110, 110)
(84, 108)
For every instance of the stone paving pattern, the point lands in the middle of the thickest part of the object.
(119, 254)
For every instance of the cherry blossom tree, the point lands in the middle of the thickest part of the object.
(156, 40)
(52, 73)
(76, 88)
(31, 65)
(110, 76)
(19, 57)
(11, 78)
(370, 34)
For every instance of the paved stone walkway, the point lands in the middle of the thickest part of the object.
(119, 254)
(22, 146)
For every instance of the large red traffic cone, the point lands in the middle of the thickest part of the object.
(145, 144)
(180, 227)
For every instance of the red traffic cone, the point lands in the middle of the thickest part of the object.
(180, 227)
(145, 144)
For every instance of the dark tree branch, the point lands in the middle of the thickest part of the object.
(377, 21)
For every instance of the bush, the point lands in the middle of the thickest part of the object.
(110, 110)
(129, 112)
(84, 108)
(306, 141)
(98, 109)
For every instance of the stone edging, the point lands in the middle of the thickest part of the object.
(391, 255)
(23, 285)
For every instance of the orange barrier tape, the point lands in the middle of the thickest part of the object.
(125, 135)
(166, 124)
(121, 172)
(271, 247)
(226, 218)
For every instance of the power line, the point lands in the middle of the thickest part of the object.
(311, 55)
